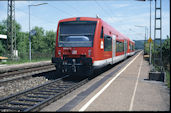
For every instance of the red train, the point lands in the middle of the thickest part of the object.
(84, 44)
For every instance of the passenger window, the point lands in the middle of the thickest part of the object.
(133, 47)
(119, 46)
(126, 45)
(107, 43)
(101, 36)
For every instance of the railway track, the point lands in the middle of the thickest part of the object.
(24, 73)
(35, 98)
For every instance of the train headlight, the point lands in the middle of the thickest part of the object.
(101, 45)
(59, 52)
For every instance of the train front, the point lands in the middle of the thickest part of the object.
(74, 46)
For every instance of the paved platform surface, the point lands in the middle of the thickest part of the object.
(126, 90)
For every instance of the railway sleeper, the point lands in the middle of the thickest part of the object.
(19, 103)
(30, 100)
(43, 93)
(49, 91)
(55, 89)
(35, 96)
(13, 108)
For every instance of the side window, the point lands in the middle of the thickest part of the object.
(126, 45)
(130, 45)
(101, 36)
(133, 47)
(107, 43)
(119, 46)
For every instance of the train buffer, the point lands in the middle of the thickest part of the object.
(128, 89)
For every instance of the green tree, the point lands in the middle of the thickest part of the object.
(23, 45)
(43, 42)
(166, 53)
(2, 49)
(3, 27)
(37, 40)
(147, 47)
(3, 30)
(50, 39)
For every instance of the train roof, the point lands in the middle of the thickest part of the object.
(120, 35)
(80, 18)
(113, 30)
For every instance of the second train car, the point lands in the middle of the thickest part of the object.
(84, 44)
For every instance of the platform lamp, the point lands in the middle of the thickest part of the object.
(29, 27)
(150, 26)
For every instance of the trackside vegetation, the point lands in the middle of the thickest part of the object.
(42, 44)
(165, 57)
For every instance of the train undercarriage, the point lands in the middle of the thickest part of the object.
(81, 66)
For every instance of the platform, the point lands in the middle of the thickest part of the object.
(13, 67)
(125, 90)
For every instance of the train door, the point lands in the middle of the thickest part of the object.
(113, 47)
(125, 48)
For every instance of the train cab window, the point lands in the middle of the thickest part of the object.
(101, 36)
(119, 46)
(76, 33)
(107, 43)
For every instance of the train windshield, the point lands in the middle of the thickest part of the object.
(76, 34)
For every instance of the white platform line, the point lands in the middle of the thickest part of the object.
(136, 84)
(107, 85)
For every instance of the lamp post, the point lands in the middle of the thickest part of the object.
(150, 27)
(150, 32)
(146, 35)
(29, 28)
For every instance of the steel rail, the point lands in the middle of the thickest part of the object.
(24, 70)
(25, 73)
(36, 98)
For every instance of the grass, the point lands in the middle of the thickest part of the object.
(168, 78)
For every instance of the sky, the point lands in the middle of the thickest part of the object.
(123, 15)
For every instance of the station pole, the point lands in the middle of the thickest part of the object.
(150, 32)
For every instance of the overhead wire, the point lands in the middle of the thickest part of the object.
(32, 15)
(110, 10)
(99, 7)
(61, 10)
(77, 10)
(58, 10)
(105, 12)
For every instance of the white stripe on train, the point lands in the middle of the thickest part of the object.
(109, 60)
